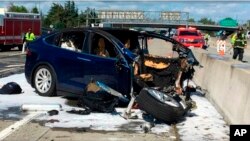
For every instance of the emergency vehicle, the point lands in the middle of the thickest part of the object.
(14, 25)
(189, 37)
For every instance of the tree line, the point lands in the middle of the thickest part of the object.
(22, 9)
(61, 16)
(203, 21)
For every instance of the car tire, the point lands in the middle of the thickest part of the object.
(6, 48)
(167, 112)
(44, 81)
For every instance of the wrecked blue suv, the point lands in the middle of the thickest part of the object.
(151, 68)
(64, 62)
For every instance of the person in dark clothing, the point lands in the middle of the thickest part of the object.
(239, 44)
(223, 35)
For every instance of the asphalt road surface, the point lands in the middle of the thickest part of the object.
(11, 62)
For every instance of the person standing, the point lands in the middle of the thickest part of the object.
(206, 38)
(223, 35)
(29, 36)
(239, 44)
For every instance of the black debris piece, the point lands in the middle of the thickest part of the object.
(97, 99)
(80, 112)
(11, 88)
(53, 112)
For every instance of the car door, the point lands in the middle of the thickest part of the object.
(68, 65)
(113, 70)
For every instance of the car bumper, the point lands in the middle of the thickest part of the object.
(198, 45)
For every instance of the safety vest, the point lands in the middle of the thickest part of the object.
(30, 36)
(207, 37)
(239, 41)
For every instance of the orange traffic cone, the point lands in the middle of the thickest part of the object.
(221, 52)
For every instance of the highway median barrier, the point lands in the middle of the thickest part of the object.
(228, 85)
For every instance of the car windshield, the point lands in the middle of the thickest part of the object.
(188, 33)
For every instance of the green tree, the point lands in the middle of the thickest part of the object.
(191, 20)
(82, 19)
(62, 16)
(55, 16)
(34, 10)
(67, 16)
(14, 8)
(70, 14)
(206, 21)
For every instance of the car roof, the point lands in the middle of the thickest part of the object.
(82, 29)
(90, 29)
(105, 31)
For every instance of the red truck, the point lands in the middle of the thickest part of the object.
(13, 27)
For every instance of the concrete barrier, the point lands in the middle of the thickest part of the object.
(228, 85)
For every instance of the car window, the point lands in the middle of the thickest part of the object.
(160, 47)
(102, 47)
(53, 39)
(188, 33)
(72, 40)
(143, 44)
(128, 38)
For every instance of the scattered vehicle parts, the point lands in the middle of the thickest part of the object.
(161, 105)
(11, 88)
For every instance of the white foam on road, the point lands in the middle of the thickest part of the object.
(94, 121)
(205, 124)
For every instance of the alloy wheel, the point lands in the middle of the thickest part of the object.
(43, 80)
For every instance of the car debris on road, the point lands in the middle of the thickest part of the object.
(11, 88)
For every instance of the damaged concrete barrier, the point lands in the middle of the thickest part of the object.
(228, 85)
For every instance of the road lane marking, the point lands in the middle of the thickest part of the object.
(7, 70)
(11, 55)
(12, 128)
(17, 65)
(16, 54)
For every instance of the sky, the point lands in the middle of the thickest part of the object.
(214, 9)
